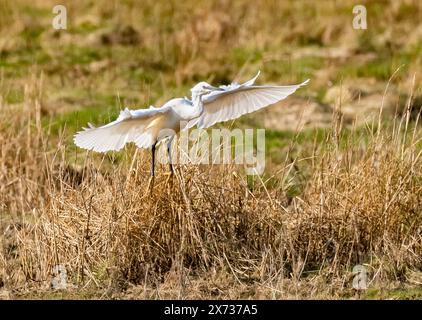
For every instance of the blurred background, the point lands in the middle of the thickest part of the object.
(138, 53)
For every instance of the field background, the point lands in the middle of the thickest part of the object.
(343, 181)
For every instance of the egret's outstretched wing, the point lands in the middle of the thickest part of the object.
(131, 126)
(230, 102)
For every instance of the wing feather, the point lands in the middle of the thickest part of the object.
(130, 126)
(230, 102)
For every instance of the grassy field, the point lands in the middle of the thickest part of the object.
(343, 179)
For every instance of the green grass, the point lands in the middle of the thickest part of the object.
(240, 55)
(76, 55)
(37, 11)
(15, 96)
(380, 68)
(410, 293)
(73, 121)
(289, 69)
(84, 28)
(18, 61)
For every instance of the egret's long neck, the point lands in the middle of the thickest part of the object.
(198, 106)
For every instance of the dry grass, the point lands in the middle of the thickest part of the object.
(352, 197)
(360, 204)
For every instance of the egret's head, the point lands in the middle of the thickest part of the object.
(200, 88)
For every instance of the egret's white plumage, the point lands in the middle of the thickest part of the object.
(236, 100)
(131, 126)
(209, 105)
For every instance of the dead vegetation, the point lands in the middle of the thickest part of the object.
(360, 203)
(345, 195)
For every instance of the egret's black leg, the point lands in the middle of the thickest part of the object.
(169, 155)
(153, 160)
(151, 179)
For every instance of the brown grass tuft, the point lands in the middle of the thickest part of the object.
(361, 204)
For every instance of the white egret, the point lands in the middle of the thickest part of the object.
(209, 105)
